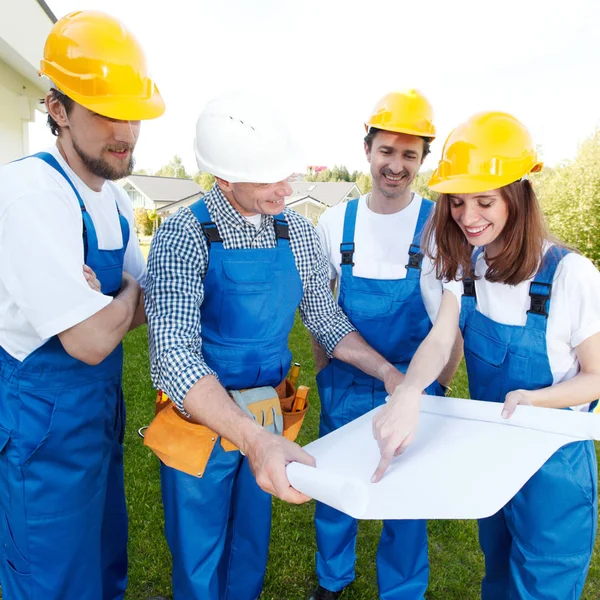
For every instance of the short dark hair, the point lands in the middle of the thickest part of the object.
(66, 102)
(373, 131)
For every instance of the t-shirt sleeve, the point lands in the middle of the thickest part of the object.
(41, 264)
(582, 286)
(133, 262)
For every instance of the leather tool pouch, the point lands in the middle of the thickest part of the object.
(178, 442)
(292, 421)
(186, 446)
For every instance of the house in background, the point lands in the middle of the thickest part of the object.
(158, 193)
(311, 199)
(24, 27)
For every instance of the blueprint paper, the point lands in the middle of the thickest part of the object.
(466, 461)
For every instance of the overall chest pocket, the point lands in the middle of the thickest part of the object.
(365, 305)
(486, 349)
(249, 300)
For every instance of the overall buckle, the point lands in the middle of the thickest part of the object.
(347, 253)
(282, 230)
(211, 232)
(538, 301)
(414, 260)
(469, 288)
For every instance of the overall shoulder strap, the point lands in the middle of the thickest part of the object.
(282, 230)
(415, 255)
(122, 220)
(347, 245)
(89, 232)
(211, 233)
(540, 289)
(124, 230)
(468, 302)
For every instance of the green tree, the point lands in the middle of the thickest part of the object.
(155, 219)
(419, 185)
(174, 168)
(323, 175)
(570, 197)
(339, 173)
(364, 183)
(204, 180)
(143, 224)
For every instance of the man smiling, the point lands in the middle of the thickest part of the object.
(225, 278)
(391, 295)
(64, 520)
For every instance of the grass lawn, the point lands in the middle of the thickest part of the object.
(456, 563)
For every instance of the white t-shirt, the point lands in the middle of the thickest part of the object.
(574, 308)
(381, 243)
(42, 288)
(255, 220)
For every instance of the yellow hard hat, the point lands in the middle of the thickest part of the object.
(403, 112)
(486, 152)
(96, 61)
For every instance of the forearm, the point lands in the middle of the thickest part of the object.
(208, 403)
(448, 372)
(139, 317)
(430, 362)
(319, 354)
(92, 340)
(583, 388)
(353, 349)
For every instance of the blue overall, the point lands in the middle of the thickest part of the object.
(63, 515)
(218, 526)
(539, 546)
(391, 316)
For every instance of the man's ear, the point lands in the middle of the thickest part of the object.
(56, 110)
(367, 152)
(224, 186)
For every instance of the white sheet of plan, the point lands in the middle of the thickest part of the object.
(466, 462)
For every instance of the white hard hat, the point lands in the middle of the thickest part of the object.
(240, 138)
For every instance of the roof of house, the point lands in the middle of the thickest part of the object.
(328, 193)
(184, 202)
(165, 189)
(47, 10)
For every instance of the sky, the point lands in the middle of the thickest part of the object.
(325, 63)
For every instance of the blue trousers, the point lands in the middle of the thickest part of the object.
(539, 546)
(402, 554)
(218, 529)
(63, 518)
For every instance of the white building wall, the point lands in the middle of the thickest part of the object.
(11, 130)
(17, 111)
(24, 27)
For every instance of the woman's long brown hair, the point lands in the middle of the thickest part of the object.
(523, 238)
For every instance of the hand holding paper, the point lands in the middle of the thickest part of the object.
(466, 463)
(269, 454)
(512, 400)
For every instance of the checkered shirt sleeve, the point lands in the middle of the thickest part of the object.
(174, 292)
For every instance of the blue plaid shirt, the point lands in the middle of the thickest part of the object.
(174, 289)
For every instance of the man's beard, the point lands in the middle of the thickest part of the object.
(100, 168)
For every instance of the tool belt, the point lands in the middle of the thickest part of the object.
(186, 446)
